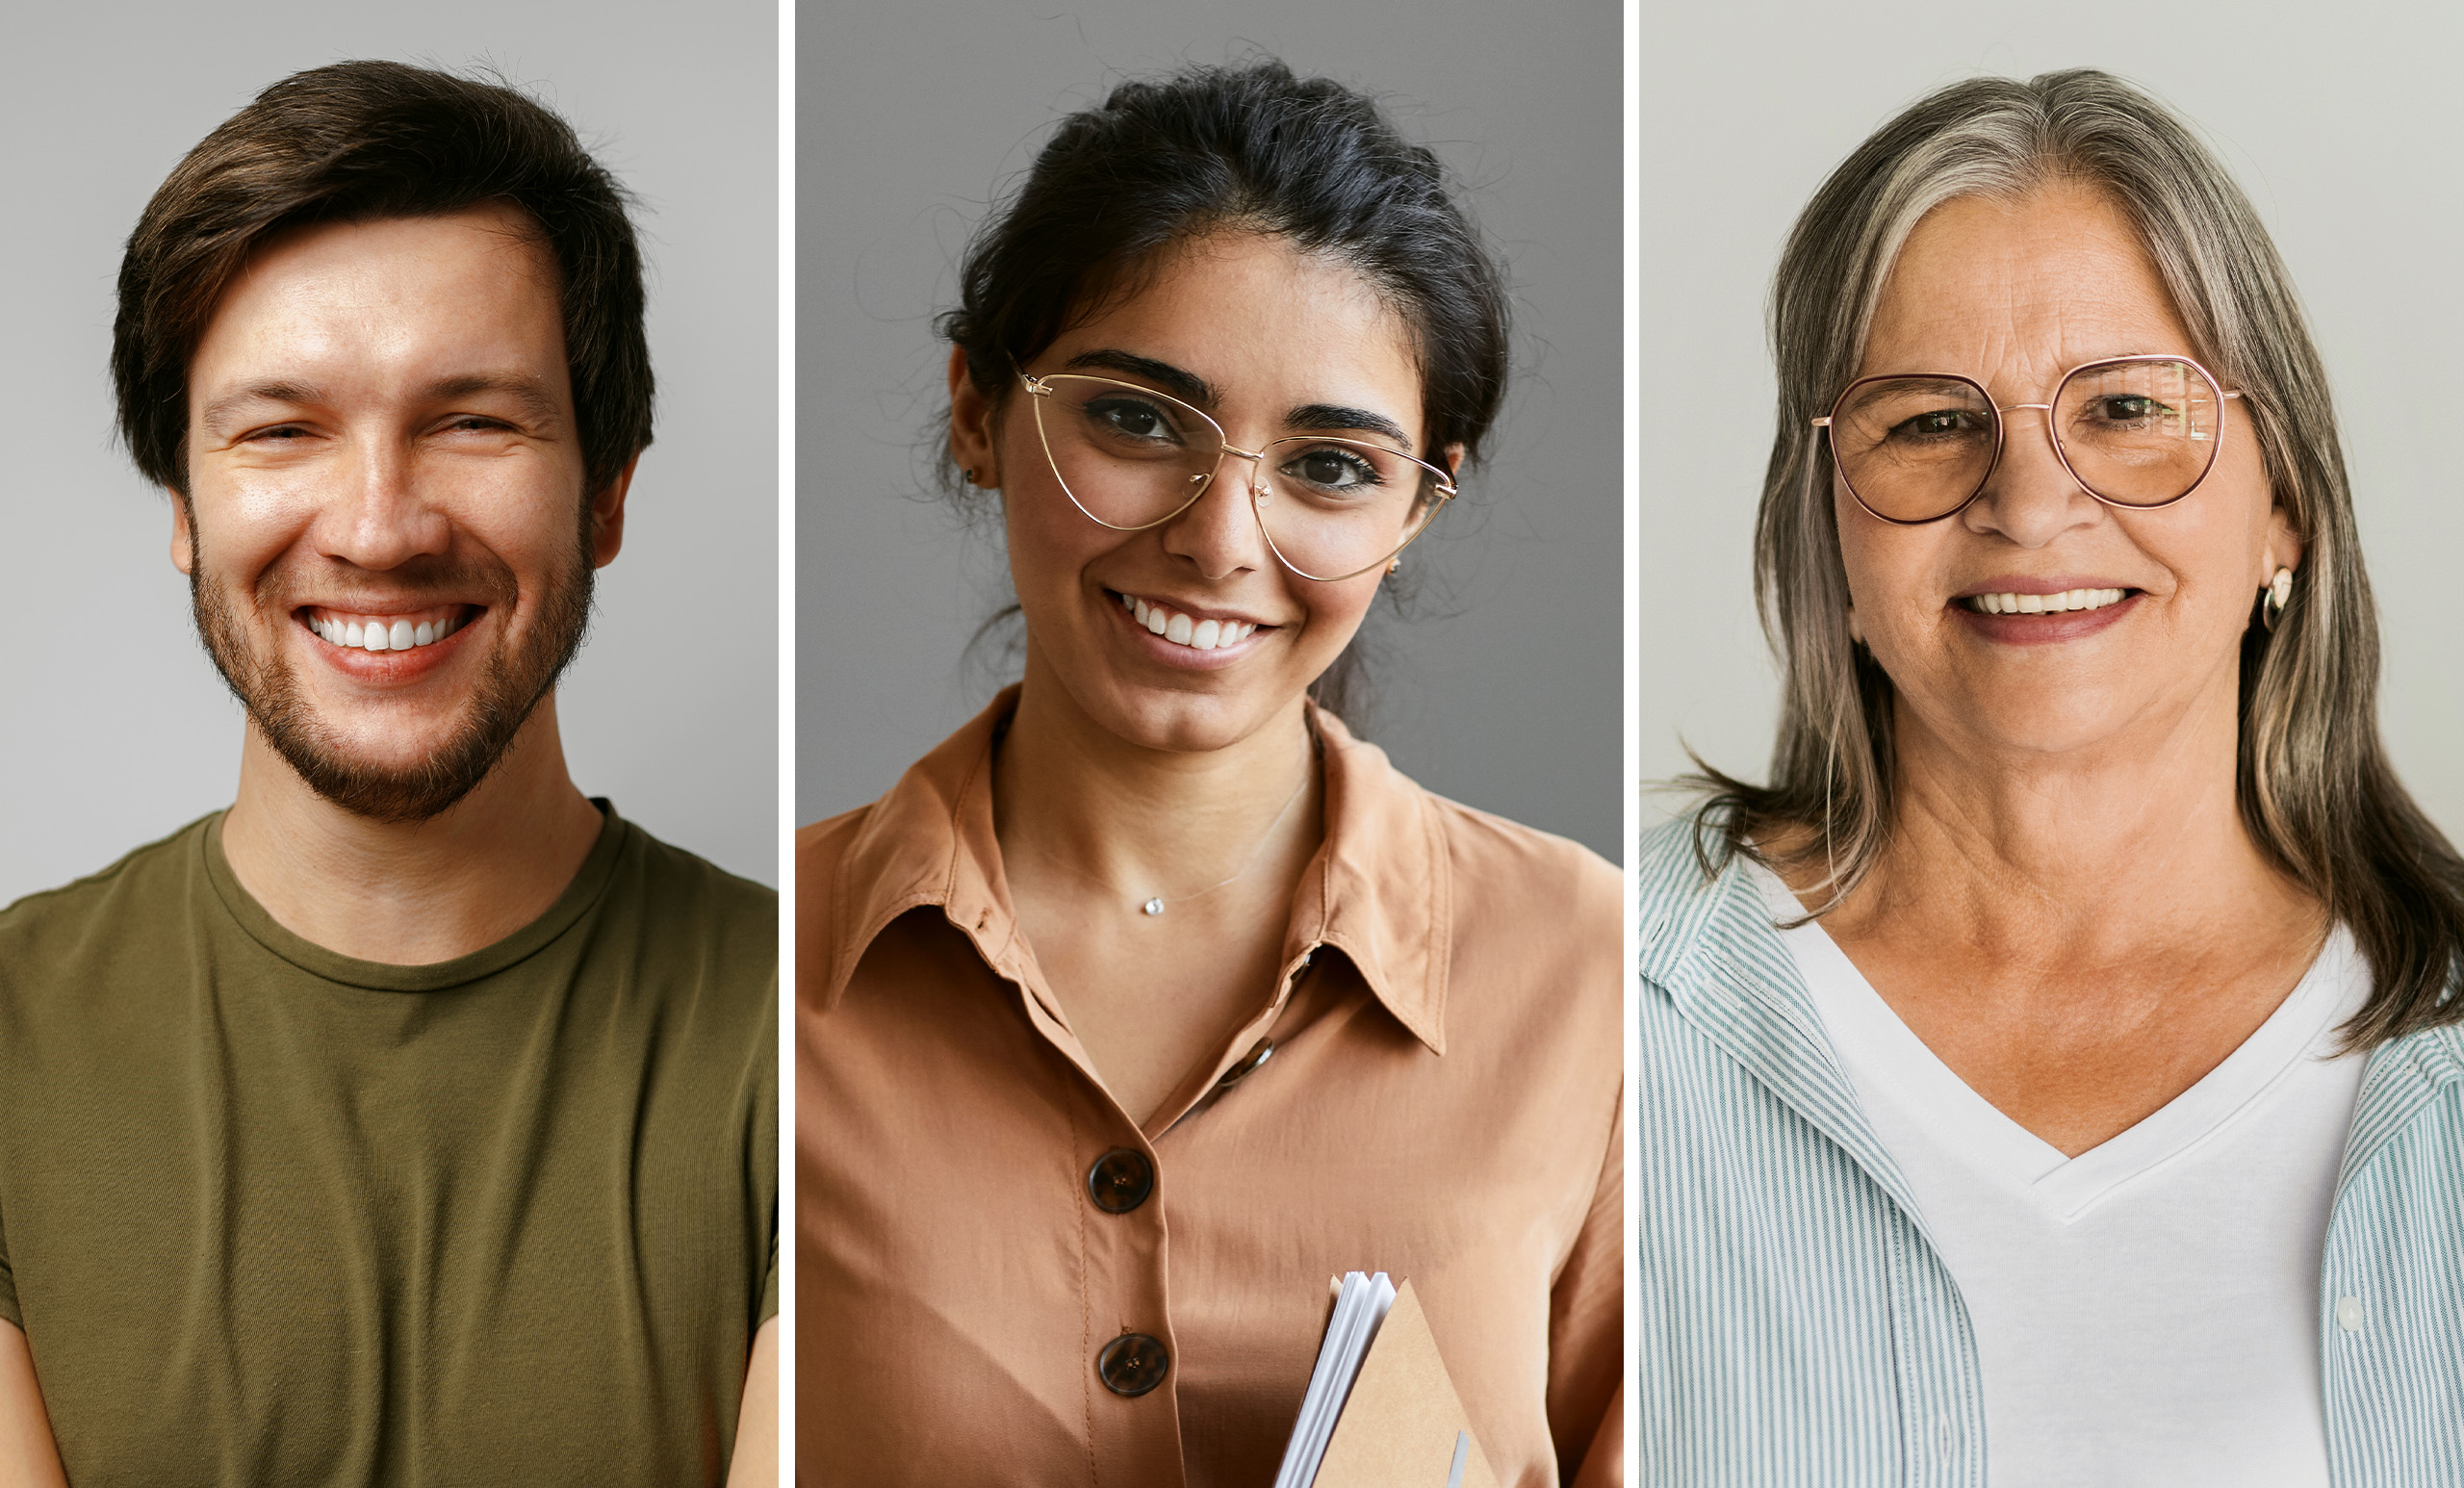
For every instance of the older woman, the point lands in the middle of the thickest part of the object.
(2053, 1076)
(1153, 997)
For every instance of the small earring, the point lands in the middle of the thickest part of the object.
(2279, 591)
(969, 474)
(1391, 564)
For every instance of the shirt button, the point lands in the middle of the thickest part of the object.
(2349, 1313)
(1132, 1364)
(1259, 1053)
(1120, 1181)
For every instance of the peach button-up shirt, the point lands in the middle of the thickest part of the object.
(1440, 1103)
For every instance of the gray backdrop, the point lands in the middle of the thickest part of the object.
(116, 729)
(2341, 122)
(1505, 692)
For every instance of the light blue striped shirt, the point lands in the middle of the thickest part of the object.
(1798, 1327)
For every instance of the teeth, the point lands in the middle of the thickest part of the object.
(1181, 630)
(398, 635)
(2044, 604)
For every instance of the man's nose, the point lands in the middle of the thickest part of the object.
(379, 518)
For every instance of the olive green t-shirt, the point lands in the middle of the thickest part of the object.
(272, 1215)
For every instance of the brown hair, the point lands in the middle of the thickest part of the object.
(2317, 792)
(357, 140)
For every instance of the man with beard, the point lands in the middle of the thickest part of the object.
(413, 1120)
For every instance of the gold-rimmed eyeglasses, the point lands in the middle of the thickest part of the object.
(2135, 431)
(1130, 458)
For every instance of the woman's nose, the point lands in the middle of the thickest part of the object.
(1218, 532)
(2030, 497)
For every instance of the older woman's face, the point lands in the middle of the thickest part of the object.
(2014, 293)
(1272, 336)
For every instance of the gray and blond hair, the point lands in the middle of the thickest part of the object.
(2316, 789)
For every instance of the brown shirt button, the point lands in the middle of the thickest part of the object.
(1259, 1053)
(1120, 1181)
(1133, 1364)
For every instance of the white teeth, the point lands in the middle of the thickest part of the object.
(400, 635)
(1182, 630)
(2044, 604)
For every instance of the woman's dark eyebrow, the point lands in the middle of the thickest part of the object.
(1190, 388)
(1186, 386)
(1335, 419)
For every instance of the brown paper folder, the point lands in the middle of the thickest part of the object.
(1397, 1428)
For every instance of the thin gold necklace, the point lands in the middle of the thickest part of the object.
(1155, 904)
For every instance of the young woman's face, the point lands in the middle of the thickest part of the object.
(1270, 343)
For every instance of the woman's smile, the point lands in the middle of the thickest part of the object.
(1189, 628)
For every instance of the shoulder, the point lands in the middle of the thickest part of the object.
(703, 922)
(1524, 870)
(1692, 898)
(89, 917)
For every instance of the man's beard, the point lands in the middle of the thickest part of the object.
(510, 685)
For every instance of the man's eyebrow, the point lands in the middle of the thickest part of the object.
(1335, 419)
(535, 403)
(1186, 386)
(218, 412)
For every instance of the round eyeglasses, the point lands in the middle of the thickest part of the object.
(2135, 431)
(1131, 458)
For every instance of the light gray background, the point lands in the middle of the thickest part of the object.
(116, 729)
(2341, 122)
(1505, 692)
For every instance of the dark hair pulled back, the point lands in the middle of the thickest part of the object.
(1249, 148)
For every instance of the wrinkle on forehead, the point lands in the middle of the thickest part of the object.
(2015, 291)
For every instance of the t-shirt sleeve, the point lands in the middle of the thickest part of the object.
(10, 1312)
(769, 1307)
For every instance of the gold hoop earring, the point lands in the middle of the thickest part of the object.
(2280, 593)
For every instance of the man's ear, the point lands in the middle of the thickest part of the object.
(608, 515)
(971, 442)
(183, 535)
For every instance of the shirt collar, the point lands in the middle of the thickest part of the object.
(1379, 888)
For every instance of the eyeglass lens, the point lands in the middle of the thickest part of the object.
(2139, 432)
(1131, 457)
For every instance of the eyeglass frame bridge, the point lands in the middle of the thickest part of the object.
(1037, 387)
(2001, 431)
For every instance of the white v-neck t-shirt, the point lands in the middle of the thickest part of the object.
(2147, 1312)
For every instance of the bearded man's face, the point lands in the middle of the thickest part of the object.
(385, 534)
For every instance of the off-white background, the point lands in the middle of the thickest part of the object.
(115, 728)
(1503, 692)
(2344, 125)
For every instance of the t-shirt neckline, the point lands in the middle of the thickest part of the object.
(588, 884)
(1870, 1034)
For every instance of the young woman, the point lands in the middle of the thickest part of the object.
(1153, 998)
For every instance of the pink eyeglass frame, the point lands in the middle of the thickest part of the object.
(2001, 428)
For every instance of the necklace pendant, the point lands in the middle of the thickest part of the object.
(1153, 906)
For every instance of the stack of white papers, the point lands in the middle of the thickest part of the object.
(1359, 1309)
